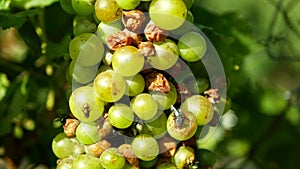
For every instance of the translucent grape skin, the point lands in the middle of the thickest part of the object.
(128, 4)
(168, 14)
(200, 107)
(65, 163)
(83, 7)
(144, 106)
(136, 85)
(166, 55)
(166, 165)
(107, 10)
(157, 127)
(84, 106)
(145, 147)
(87, 133)
(109, 86)
(111, 158)
(87, 162)
(192, 46)
(120, 116)
(63, 147)
(87, 49)
(127, 61)
(82, 74)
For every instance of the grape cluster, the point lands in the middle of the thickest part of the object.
(135, 100)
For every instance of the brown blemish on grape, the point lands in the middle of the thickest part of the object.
(133, 20)
(157, 82)
(86, 110)
(127, 152)
(70, 127)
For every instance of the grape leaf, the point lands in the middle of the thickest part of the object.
(17, 19)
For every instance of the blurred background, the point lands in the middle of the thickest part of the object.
(258, 42)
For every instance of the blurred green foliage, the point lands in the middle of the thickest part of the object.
(258, 42)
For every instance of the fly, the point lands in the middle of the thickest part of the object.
(178, 116)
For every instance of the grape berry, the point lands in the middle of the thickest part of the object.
(133, 101)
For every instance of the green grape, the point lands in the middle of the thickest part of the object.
(192, 46)
(87, 49)
(128, 4)
(84, 105)
(183, 156)
(83, 24)
(136, 85)
(168, 14)
(86, 161)
(188, 3)
(82, 74)
(104, 30)
(166, 55)
(112, 159)
(87, 133)
(144, 106)
(64, 147)
(201, 107)
(181, 127)
(127, 61)
(145, 147)
(166, 165)
(120, 116)
(109, 86)
(107, 10)
(83, 7)
(156, 128)
(165, 100)
(148, 164)
(66, 5)
(65, 163)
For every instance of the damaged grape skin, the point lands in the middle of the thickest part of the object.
(183, 131)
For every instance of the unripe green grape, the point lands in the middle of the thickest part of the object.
(82, 74)
(87, 49)
(165, 100)
(107, 10)
(128, 4)
(66, 5)
(120, 116)
(63, 146)
(183, 156)
(201, 107)
(168, 14)
(83, 7)
(156, 128)
(192, 46)
(104, 30)
(87, 133)
(206, 157)
(109, 86)
(112, 159)
(86, 161)
(136, 85)
(144, 106)
(145, 147)
(83, 24)
(84, 105)
(127, 61)
(166, 56)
